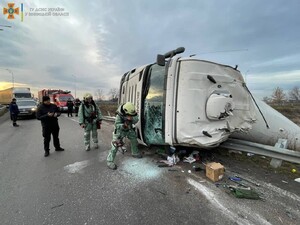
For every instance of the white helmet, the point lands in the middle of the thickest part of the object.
(129, 108)
(87, 95)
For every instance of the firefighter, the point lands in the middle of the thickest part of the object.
(70, 105)
(89, 116)
(77, 103)
(47, 113)
(126, 117)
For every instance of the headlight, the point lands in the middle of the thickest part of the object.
(33, 109)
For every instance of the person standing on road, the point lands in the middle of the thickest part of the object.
(47, 113)
(126, 117)
(89, 116)
(70, 105)
(14, 111)
(77, 103)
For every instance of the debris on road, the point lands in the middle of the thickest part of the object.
(249, 181)
(56, 206)
(215, 171)
(244, 193)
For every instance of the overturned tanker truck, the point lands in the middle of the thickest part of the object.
(186, 101)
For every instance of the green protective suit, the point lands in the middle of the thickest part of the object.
(89, 114)
(120, 132)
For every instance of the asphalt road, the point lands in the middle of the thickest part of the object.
(76, 187)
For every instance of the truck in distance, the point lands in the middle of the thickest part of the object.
(57, 97)
(19, 93)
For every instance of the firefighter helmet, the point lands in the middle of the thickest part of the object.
(87, 95)
(129, 108)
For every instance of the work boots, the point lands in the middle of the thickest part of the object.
(47, 153)
(111, 165)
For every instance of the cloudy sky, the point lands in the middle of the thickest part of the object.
(95, 42)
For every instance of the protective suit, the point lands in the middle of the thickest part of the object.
(89, 114)
(126, 117)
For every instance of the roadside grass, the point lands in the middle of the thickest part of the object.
(108, 108)
(263, 162)
(289, 110)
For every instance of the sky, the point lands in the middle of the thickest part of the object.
(93, 43)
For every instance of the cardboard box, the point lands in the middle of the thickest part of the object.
(215, 171)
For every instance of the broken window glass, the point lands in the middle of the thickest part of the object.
(154, 106)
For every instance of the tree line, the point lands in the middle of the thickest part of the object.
(280, 97)
(111, 95)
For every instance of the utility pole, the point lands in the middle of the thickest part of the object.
(75, 84)
(12, 77)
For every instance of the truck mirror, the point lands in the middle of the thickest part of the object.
(179, 50)
(160, 60)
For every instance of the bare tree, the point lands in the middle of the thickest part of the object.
(113, 93)
(278, 96)
(267, 99)
(99, 94)
(294, 94)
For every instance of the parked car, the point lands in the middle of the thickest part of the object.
(27, 108)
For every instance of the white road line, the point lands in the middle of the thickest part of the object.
(232, 215)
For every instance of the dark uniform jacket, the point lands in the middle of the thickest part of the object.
(42, 115)
(70, 104)
(13, 108)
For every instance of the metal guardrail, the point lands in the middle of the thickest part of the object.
(2, 107)
(260, 149)
(251, 147)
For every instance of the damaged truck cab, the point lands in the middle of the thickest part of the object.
(187, 101)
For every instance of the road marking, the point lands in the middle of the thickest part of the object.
(71, 118)
(213, 199)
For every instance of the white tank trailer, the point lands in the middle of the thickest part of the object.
(187, 101)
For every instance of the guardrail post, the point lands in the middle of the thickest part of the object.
(281, 143)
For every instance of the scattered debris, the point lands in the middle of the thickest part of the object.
(283, 181)
(167, 163)
(161, 192)
(53, 207)
(249, 181)
(215, 171)
(290, 215)
(188, 191)
(197, 168)
(172, 150)
(236, 152)
(250, 154)
(163, 165)
(244, 193)
(297, 180)
(173, 159)
(237, 182)
(189, 171)
(189, 159)
(234, 178)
